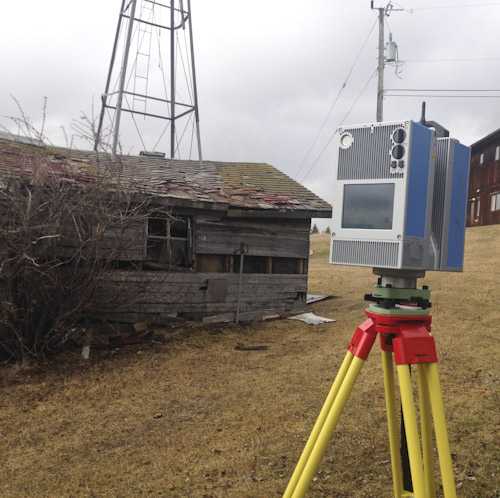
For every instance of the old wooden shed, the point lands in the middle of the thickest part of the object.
(235, 243)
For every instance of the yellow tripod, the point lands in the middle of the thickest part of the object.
(405, 340)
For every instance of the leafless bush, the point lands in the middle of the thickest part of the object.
(60, 233)
(54, 251)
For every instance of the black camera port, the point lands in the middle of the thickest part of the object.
(399, 135)
(398, 152)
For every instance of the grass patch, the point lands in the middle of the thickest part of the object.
(197, 418)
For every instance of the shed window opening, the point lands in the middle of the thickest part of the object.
(270, 265)
(169, 241)
(251, 264)
(289, 266)
(481, 158)
(497, 153)
(495, 201)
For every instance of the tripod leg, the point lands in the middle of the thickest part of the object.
(426, 429)
(392, 425)
(325, 435)
(410, 417)
(318, 426)
(443, 446)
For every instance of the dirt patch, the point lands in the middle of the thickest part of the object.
(200, 417)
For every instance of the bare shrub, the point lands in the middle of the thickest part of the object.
(54, 251)
(61, 230)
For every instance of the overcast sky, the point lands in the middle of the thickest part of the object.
(267, 70)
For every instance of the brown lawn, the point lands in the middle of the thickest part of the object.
(197, 418)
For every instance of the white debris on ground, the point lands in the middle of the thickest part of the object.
(312, 319)
(316, 298)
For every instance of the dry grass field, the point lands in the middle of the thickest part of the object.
(196, 418)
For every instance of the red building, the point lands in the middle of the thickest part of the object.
(484, 186)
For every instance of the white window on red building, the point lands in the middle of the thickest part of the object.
(495, 201)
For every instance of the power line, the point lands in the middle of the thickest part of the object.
(335, 101)
(463, 59)
(443, 96)
(442, 90)
(361, 93)
(456, 6)
(332, 136)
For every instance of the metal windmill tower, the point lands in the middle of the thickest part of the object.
(151, 79)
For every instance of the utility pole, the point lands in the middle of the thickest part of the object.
(381, 63)
(383, 12)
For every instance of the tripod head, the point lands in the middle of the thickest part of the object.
(397, 290)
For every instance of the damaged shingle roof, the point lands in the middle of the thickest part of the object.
(236, 185)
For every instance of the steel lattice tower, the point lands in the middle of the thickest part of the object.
(149, 84)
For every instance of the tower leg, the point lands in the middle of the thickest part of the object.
(326, 433)
(412, 436)
(442, 443)
(392, 425)
(318, 426)
(426, 430)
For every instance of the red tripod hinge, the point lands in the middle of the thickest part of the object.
(408, 337)
(414, 345)
(363, 339)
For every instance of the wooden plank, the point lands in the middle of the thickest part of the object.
(248, 295)
(153, 301)
(255, 224)
(262, 237)
(277, 213)
(160, 294)
(192, 277)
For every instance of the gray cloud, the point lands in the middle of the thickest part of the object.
(267, 70)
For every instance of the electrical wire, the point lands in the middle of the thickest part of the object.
(335, 101)
(344, 119)
(471, 59)
(443, 96)
(356, 100)
(460, 90)
(456, 6)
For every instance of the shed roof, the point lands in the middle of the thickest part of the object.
(242, 186)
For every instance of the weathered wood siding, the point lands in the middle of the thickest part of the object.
(119, 243)
(129, 243)
(286, 238)
(219, 236)
(153, 296)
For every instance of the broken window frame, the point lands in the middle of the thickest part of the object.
(168, 263)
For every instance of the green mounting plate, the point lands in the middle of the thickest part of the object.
(401, 294)
(374, 308)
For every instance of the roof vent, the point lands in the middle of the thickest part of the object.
(155, 154)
